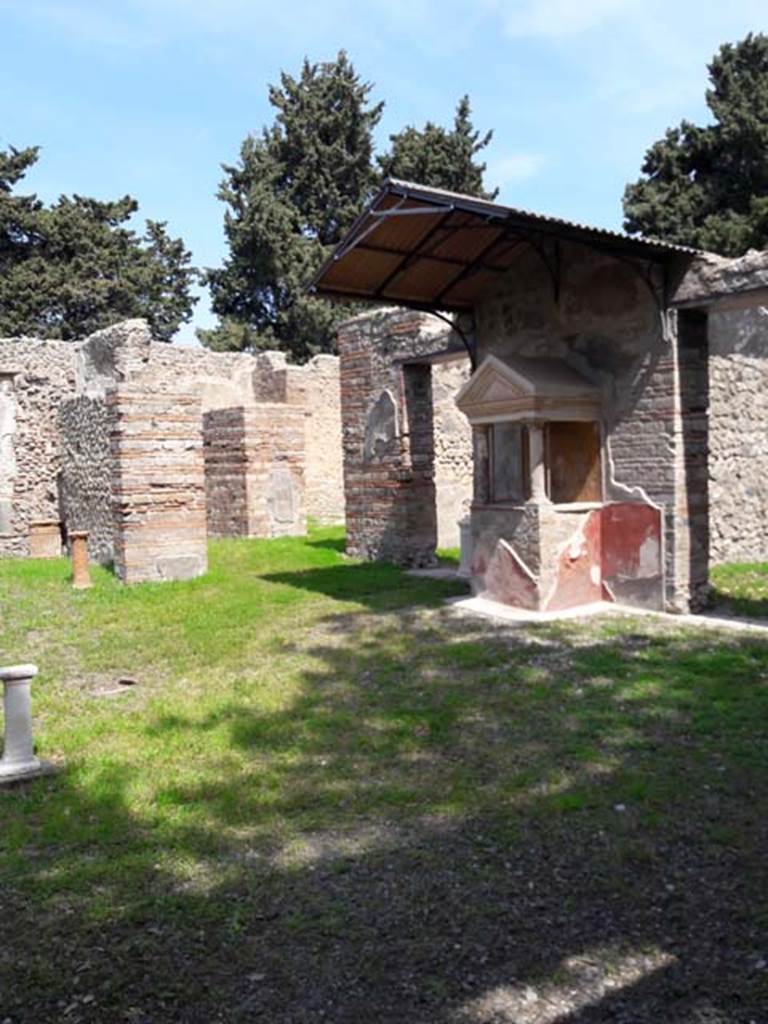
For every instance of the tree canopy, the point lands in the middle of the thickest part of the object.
(73, 267)
(439, 157)
(707, 186)
(290, 198)
(295, 191)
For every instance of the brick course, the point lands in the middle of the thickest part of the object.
(157, 485)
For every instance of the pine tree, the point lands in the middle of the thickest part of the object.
(290, 198)
(440, 158)
(708, 186)
(73, 267)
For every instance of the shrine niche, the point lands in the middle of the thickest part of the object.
(537, 432)
(537, 519)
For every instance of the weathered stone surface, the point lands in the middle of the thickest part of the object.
(53, 464)
(738, 435)
(34, 378)
(380, 427)
(85, 476)
(710, 278)
(255, 471)
(45, 539)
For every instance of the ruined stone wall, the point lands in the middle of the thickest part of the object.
(35, 376)
(738, 434)
(126, 354)
(157, 485)
(324, 463)
(51, 373)
(85, 478)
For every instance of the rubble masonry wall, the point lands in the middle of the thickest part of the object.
(738, 434)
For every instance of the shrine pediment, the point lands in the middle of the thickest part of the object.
(526, 389)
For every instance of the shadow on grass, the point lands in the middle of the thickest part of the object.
(331, 543)
(377, 585)
(448, 823)
(740, 590)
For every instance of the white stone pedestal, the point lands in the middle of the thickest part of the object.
(18, 760)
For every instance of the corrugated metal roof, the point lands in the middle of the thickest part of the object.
(655, 243)
(431, 248)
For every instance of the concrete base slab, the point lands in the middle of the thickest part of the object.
(14, 773)
(506, 613)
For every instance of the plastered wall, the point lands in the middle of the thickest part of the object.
(604, 322)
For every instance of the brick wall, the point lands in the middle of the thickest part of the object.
(388, 433)
(52, 373)
(157, 485)
(453, 451)
(255, 471)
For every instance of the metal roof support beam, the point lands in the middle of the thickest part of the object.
(470, 346)
(413, 257)
(398, 211)
(472, 267)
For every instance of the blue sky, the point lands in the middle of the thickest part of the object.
(149, 97)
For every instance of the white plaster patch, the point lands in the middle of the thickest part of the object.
(649, 564)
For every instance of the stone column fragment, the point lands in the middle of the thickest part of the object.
(18, 760)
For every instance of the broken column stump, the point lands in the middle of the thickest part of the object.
(81, 572)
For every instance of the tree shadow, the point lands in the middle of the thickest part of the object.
(331, 543)
(449, 822)
(378, 585)
(748, 608)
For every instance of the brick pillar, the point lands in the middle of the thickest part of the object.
(691, 507)
(158, 488)
(387, 435)
(416, 493)
(255, 471)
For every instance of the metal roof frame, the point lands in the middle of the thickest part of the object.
(515, 228)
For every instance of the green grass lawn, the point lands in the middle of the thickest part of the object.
(328, 797)
(741, 589)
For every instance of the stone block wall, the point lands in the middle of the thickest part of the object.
(157, 485)
(453, 451)
(255, 471)
(85, 480)
(324, 462)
